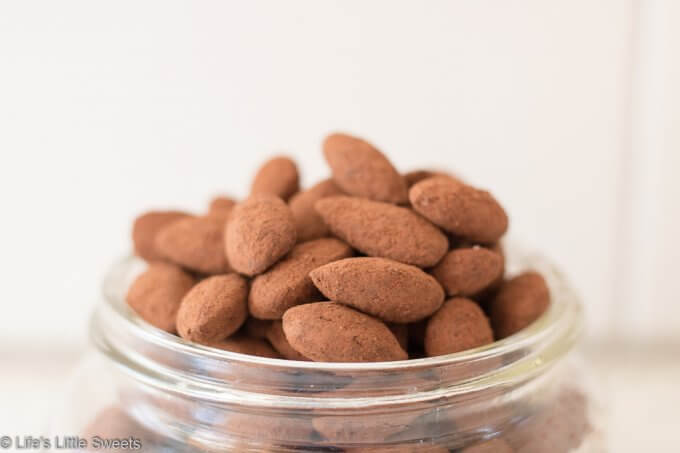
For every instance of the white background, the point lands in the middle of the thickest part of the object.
(566, 110)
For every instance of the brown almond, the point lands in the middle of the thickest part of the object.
(458, 326)
(460, 209)
(415, 176)
(386, 289)
(278, 339)
(498, 248)
(308, 222)
(288, 283)
(519, 302)
(360, 169)
(468, 271)
(196, 243)
(490, 446)
(278, 176)
(221, 207)
(156, 294)
(330, 332)
(213, 309)
(145, 229)
(260, 231)
(383, 230)
(246, 345)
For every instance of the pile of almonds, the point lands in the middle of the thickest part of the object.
(369, 265)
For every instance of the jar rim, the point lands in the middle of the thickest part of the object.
(558, 327)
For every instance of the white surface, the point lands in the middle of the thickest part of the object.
(637, 388)
(649, 286)
(108, 109)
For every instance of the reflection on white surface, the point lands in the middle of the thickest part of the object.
(638, 388)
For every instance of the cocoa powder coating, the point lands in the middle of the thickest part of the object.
(386, 289)
(463, 210)
(360, 169)
(213, 309)
(145, 229)
(468, 271)
(278, 176)
(246, 345)
(519, 302)
(307, 221)
(260, 231)
(383, 230)
(330, 332)
(278, 340)
(288, 282)
(156, 294)
(415, 176)
(459, 325)
(221, 207)
(196, 243)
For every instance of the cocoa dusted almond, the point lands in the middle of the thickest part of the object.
(468, 271)
(422, 238)
(308, 222)
(415, 176)
(360, 169)
(467, 212)
(213, 309)
(156, 294)
(458, 326)
(196, 243)
(278, 340)
(145, 229)
(246, 345)
(490, 446)
(288, 283)
(221, 207)
(519, 302)
(498, 248)
(260, 231)
(386, 289)
(278, 176)
(330, 332)
(383, 230)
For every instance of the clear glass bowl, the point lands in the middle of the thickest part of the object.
(174, 396)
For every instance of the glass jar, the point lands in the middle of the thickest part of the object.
(173, 396)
